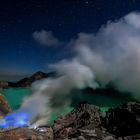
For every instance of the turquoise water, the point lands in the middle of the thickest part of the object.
(16, 95)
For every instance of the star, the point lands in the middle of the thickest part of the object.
(87, 2)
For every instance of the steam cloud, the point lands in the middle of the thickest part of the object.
(46, 38)
(111, 55)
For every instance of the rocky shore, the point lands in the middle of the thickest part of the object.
(86, 122)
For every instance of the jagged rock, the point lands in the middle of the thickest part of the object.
(82, 123)
(27, 81)
(4, 106)
(26, 134)
(124, 120)
(86, 122)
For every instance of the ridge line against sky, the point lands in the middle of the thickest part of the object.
(23, 22)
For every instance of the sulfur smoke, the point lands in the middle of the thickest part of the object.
(113, 54)
(49, 95)
(110, 55)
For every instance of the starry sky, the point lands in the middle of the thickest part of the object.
(34, 33)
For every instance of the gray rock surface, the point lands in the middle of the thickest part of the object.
(124, 120)
(86, 122)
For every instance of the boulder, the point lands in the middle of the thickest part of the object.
(26, 133)
(124, 120)
(83, 123)
(4, 106)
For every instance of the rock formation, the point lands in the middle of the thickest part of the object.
(124, 120)
(4, 84)
(42, 133)
(27, 81)
(86, 122)
(4, 106)
(83, 123)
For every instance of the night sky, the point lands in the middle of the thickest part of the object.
(24, 23)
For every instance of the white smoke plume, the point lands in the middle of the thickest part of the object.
(73, 76)
(111, 55)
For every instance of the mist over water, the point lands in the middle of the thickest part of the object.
(112, 55)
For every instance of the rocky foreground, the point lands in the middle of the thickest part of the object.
(86, 122)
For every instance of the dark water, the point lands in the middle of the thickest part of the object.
(104, 98)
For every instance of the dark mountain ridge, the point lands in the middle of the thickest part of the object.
(27, 81)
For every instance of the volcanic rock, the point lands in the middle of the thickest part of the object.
(124, 120)
(26, 133)
(27, 81)
(4, 106)
(83, 123)
(86, 122)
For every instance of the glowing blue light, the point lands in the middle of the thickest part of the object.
(16, 119)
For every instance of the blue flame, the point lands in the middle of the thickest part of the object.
(15, 119)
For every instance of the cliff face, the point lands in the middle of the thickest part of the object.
(81, 123)
(86, 122)
(4, 106)
(124, 120)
